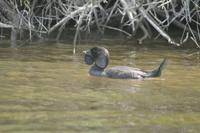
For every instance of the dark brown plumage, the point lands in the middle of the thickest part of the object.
(98, 57)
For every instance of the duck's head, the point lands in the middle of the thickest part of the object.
(97, 55)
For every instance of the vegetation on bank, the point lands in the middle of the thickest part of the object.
(41, 18)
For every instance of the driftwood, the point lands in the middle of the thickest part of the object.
(47, 16)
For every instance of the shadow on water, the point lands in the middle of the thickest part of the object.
(47, 89)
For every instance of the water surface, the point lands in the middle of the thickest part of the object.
(46, 89)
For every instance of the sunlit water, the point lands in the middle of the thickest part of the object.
(47, 89)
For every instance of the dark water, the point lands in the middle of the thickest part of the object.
(46, 89)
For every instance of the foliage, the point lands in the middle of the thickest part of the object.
(44, 17)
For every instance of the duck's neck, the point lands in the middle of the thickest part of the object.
(96, 71)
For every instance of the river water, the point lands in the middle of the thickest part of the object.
(47, 89)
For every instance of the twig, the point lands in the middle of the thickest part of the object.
(156, 26)
(194, 40)
(2, 25)
(117, 29)
(68, 17)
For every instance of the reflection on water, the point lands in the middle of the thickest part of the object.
(45, 89)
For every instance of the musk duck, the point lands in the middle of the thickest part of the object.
(98, 57)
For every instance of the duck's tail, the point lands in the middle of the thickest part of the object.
(157, 72)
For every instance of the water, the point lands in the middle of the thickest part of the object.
(45, 89)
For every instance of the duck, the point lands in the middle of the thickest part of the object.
(98, 58)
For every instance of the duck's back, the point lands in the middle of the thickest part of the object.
(124, 72)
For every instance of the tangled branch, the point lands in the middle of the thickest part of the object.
(45, 17)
